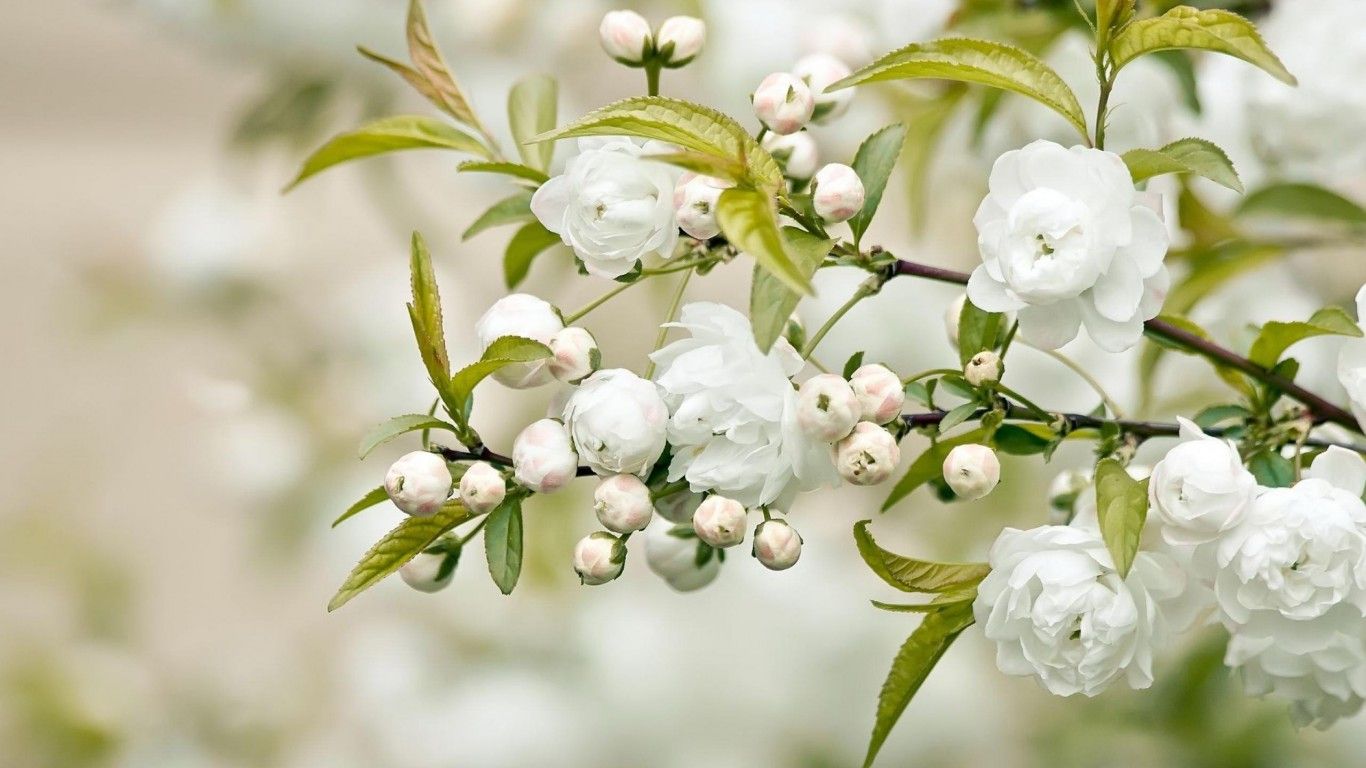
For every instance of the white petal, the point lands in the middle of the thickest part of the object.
(1189, 429)
(1108, 334)
(1361, 304)
(1148, 246)
(1341, 468)
(988, 294)
(1118, 292)
(1051, 325)
(1154, 294)
(550, 202)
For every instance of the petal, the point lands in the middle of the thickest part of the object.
(550, 202)
(1148, 245)
(1005, 182)
(990, 295)
(1154, 294)
(1118, 292)
(1361, 304)
(1051, 325)
(1341, 468)
(1110, 335)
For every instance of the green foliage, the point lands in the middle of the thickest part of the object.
(874, 161)
(399, 425)
(1190, 155)
(531, 112)
(442, 88)
(374, 497)
(749, 219)
(515, 170)
(1210, 30)
(771, 301)
(993, 64)
(1271, 469)
(504, 351)
(1122, 507)
(977, 330)
(503, 543)
(511, 210)
(925, 121)
(1275, 337)
(911, 575)
(425, 313)
(1302, 201)
(928, 466)
(528, 243)
(390, 134)
(727, 168)
(400, 545)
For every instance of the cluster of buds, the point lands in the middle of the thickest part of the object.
(786, 101)
(720, 523)
(849, 415)
(627, 37)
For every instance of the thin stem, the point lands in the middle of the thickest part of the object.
(864, 291)
(652, 78)
(931, 372)
(471, 533)
(484, 454)
(1087, 377)
(763, 131)
(1026, 402)
(1107, 83)
(674, 306)
(595, 303)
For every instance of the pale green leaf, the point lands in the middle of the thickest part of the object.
(1122, 508)
(511, 210)
(374, 497)
(391, 134)
(515, 170)
(1190, 155)
(425, 313)
(528, 243)
(928, 466)
(771, 302)
(911, 575)
(749, 219)
(874, 161)
(1210, 30)
(505, 350)
(531, 112)
(415, 79)
(726, 168)
(503, 544)
(1302, 201)
(1276, 336)
(399, 425)
(939, 601)
(400, 545)
(978, 329)
(445, 92)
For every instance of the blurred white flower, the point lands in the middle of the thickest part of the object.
(617, 421)
(423, 572)
(520, 314)
(625, 36)
(796, 151)
(675, 558)
(1352, 365)
(820, 70)
(687, 35)
(1200, 489)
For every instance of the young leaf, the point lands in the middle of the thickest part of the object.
(425, 312)
(1212, 30)
(399, 425)
(1215, 415)
(511, 210)
(503, 544)
(957, 416)
(515, 170)
(375, 496)
(1195, 156)
(1275, 337)
(749, 220)
(771, 302)
(854, 362)
(913, 663)
(726, 168)
(523, 248)
(939, 601)
(873, 163)
(911, 575)
(997, 65)
(427, 60)
(1272, 470)
(928, 466)
(397, 547)
(977, 330)
(531, 111)
(1302, 201)
(391, 134)
(1122, 506)
(505, 350)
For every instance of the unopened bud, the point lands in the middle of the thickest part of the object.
(796, 151)
(972, 470)
(827, 409)
(622, 503)
(680, 39)
(1063, 493)
(695, 204)
(820, 70)
(599, 558)
(777, 545)
(625, 35)
(837, 193)
(720, 521)
(542, 457)
(879, 392)
(429, 571)
(951, 317)
(574, 355)
(984, 367)
(482, 488)
(418, 483)
(868, 456)
(783, 103)
(679, 506)
(677, 556)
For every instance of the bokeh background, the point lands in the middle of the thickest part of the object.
(190, 358)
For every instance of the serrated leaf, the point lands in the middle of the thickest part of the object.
(416, 80)
(374, 497)
(682, 123)
(532, 106)
(445, 92)
(425, 313)
(983, 62)
(400, 545)
(528, 243)
(978, 329)
(874, 161)
(503, 544)
(1190, 155)
(1276, 336)
(390, 134)
(725, 168)
(749, 219)
(1302, 201)
(928, 466)
(1122, 507)
(771, 302)
(1210, 30)
(515, 170)
(505, 350)
(911, 575)
(912, 665)
(510, 210)
(399, 425)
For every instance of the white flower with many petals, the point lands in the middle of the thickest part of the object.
(617, 421)
(733, 422)
(1066, 241)
(1352, 365)
(1200, 489)
(612, 205)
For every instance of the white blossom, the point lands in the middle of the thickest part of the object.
(524, 315)
(1352, 366)
(868, 456)
(675, 557)
(720, 521)
(827, 408)
(679, 506)
(482, 488)
(574, 355)
(617, 421)
(622, 504)
(543, 458)
(837, 193)
(1200, 489)
(783, 102)
(599, 558)
(1067, 242)
(972, 470)
(879, 392)
(777, 545)
(418, 483)
(686, 35)
(820, 70)
(796, 151)
(625, 36)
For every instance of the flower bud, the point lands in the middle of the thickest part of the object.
(972, 470)
(625, 35)
(695, 205)
(783, 103)
(837, 193)
(622, 503)
(428, 571)
(520, 314)
(868, 456)
(482, 488)
(983, 367)
(599, 558)
(796, 151)
(542, 458)
(1063, 493)
(879, 392)
(720, 521)
(827, 408)
(679, 506)
(820, 70)
(951, 317)
(777, 545)
(680, 39)
(575, 355)
(418, 483)
(675, 555)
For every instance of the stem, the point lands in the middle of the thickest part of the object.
(669, 318)
(1103, 103)
(1038, 410)
(471, 533)
(864, 291)
(652, 78)
(595, 303)
(1087, 377)
(484, 454)
(763, 131)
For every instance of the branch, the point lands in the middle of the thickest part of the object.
(484, 454)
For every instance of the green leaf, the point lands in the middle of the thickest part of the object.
(874, 161)
(505, 350)
(928, 466)
(399, 425)
(375, 496)
(1191, 155)
(511, 210)
(444, 91)
(529, 242)
(531, 112)
(391, 134)
(854, 362)
(421, 84)
(1215, 415)
(1276, 336)
(684, 124)
(771, 302)
(978, 329)
(397, 547)
(425, 312)
(997, 65)
(913, 663)
(1122, 506)
(503, 544)
(1113, 13)
(1272, 470)
(1018, 440)
(1211, 30)
(1302, 201)
(749, 220)
(910, 575)
(939, 601)
(926, 121)
(515, 170)
(957, 416)
(727, 168)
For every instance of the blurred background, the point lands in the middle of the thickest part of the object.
(191, 358)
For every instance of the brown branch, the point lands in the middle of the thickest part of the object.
(484, 454)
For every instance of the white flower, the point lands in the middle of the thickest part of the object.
(796, 151)
(820, 70)
(827, 408)
(783, 102)
(543, 458)
(972, 470)
(837, 193)
(679, 506)
(482, 488)
(1058, 611)
(777, 545)
(984, 367)
(574, 355)
(733, 421)
(720, 521)
(418, 483)
(680, 39)
(599, 558)
(1200, 489)
(879, 392)
(520, 314)
(695, 203)
(618, 422)
(679, 558)
(1066, 241)
(622, 504)
(424, 572)
(611, 205)
(868, 456)
(1352, 366)
(625, 36)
